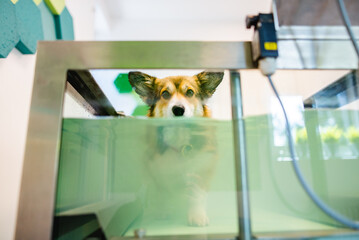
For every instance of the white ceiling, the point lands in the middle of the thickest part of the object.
(176, 19)
(185, 10)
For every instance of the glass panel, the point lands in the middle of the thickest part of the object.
(131, 175)
(326, 148)
(134, 176)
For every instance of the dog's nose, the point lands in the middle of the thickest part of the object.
(178, 111)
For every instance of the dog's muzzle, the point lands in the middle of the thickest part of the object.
(178, 111)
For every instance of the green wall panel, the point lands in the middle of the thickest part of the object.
(37, 2)
(24, 23)
(56, 6)
(29, 26)
(8, 33)
(122, 84)
(48, 22)
(64, 26)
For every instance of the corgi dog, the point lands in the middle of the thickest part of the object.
(182, 159)
(176, 96)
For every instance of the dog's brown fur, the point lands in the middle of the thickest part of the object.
(151, 90)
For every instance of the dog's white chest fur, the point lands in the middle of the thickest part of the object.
(177, 159)
(181, 170)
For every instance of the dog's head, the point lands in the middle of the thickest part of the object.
(177, 95)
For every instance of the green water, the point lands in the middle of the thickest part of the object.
(151, 173)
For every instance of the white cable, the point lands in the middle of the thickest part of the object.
(346, 20)
(325, 208)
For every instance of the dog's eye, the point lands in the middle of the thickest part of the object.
(189, 93)
(166, 95)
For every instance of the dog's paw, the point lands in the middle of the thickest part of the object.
(198, 217)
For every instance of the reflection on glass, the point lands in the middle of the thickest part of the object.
(328, 162)
(169, 177)
(162, 177)
(150, 174)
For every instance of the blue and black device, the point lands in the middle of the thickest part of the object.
(264, 42)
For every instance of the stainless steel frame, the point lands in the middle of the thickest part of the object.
(245, 230)
(54, 59)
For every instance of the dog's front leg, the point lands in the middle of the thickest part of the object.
(197, 202)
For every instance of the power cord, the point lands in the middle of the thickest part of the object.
(346, 20)
(325, 208)
(266, 62)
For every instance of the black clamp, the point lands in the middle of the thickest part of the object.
(264, 42)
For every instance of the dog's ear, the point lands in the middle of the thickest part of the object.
(208, 82)
(143, 84)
